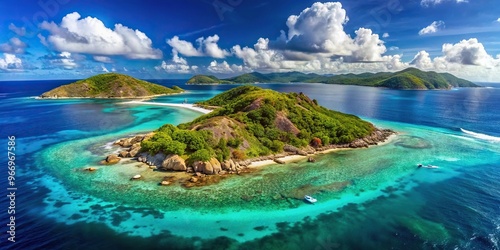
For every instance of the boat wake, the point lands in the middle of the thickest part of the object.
(481, 136)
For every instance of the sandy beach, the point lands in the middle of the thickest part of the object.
(179, 105)
(296, 158)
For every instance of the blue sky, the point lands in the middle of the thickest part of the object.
(70, 39)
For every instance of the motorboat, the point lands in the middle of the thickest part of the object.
(310, 199)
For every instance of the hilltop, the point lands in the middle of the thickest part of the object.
(110, 85)
(410, 78)
(250, 123)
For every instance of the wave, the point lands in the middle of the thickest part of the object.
(481, 136)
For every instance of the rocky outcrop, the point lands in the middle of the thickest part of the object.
(373, 139)
(211, 167)
(173, 163)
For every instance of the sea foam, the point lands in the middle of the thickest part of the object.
(481, 136)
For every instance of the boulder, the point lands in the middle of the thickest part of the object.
(165, 183)
(136, 177)
(193, 179)
(215, 165)
(207, 168)
(123, 154)
(90, 169)
(279, 161)
(136, 139)
(111, 159)
(311, 159)
(173, 162)
(126, 142)
(210, 167)
(225, 165)
(134, 152)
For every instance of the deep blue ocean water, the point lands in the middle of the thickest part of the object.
(387, 203)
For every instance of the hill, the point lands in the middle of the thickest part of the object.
(252, 122)
(110, 85)
(410, 78)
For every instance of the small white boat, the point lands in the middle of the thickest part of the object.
(310, 199)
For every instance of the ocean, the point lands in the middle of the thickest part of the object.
(373, 198)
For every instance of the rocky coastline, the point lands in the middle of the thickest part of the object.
(211, 171)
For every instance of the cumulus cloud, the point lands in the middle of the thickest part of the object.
(427, 3)
(90, 36)
(320, 29)
(432, 28)
(10, 62)
(467, 59)
(467, 52)
(385, 35)
(13, 46)
(20, 31)
(225, 68)
(422, 60)
(177, 65)
(316, 41)
(206, 47)
(498, 20)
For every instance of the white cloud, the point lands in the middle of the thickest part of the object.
(385, 35)
(393, 48)
(427, 3)
(422, 60)
(10, 62)
(177, 65)
(316, 41)
(432, 28)
(225, 68)
(103, 59)
(498, 20)
(206, 47)
(90, 36)
(319, 30)
(184, 47)
(467, 59)
(13, 46)
(467, 52)
(20, 31)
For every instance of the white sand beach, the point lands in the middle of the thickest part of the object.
(180, 105)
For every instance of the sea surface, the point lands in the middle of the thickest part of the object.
(373, 198)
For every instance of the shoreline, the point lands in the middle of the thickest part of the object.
(296, 158)
(148, 97)
(193, 107)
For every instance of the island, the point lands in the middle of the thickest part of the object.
(248, 124)
(110, 85)
(410, 78)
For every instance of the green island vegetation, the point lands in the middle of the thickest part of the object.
(410, 78)
(110, 85)
(251, 122)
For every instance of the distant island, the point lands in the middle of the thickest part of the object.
(110, 85)
(410, 78)
(248, 124)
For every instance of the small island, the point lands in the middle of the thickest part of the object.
(248, 124)
(110, 85)
(410, 78)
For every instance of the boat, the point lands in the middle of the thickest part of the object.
(428, 166)
(310, 199)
